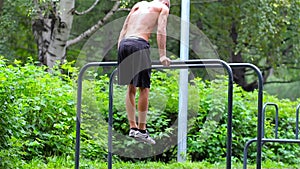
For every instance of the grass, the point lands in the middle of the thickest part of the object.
(68, 163)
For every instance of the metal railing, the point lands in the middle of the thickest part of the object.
(276, 139)
(205, 63)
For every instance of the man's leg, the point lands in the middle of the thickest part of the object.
(143, 134)
(130, 105)
(143, 107)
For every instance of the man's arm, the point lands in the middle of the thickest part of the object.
(162, 36)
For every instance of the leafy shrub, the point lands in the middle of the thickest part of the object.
(37, 114)
(38, 118)
(94, 128)
(207, 109)
(207, 113)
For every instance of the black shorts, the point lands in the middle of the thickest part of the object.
(134, 62)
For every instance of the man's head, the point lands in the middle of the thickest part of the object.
(166, 2)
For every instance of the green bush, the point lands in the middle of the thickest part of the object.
(207, 113)
(38, 118)
(94, 128)
(37, 114)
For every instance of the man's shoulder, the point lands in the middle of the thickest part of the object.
(153, 6)
(158, 5)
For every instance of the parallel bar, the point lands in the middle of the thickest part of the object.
(281, 140)
(260, 105)
(263, 131)
(79, 101)
(297, 121)
(206, 63)
(276, 118)
(246, 152)
(200, 64)
(265, 140)
(110, 119)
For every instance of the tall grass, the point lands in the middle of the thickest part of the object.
(68, 163)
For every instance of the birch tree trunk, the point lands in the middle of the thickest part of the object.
(52, 31)
(61, 32)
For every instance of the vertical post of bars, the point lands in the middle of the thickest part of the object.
(297, 121)
(183, 84)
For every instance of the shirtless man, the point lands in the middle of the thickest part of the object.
(134, 59)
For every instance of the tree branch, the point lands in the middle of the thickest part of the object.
(94, 28)
(292, 67)
(124, 9)
(283, 81)
(88, 10)
(38, 9)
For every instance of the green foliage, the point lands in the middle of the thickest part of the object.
(284, 90)
(276, 23)
(37, 114)
(266, 31)
(17, 41)
(68, 163)
(103, 42)
(93, 125)
(38, 118)
(207, 110)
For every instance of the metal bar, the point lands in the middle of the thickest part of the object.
(263, 134)
(210, 63)
(79, 101)
(229, 119)
(276, 118)
(230, 100)
(246, 152)
(201, 64)
(259, 106)
(110, 119)
(297, 121)
(281, 140)
(265, 140)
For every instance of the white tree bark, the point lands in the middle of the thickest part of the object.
(53, 29)
(41, 31)
(88, 10)
(61, 32)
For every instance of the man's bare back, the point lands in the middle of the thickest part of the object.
(141, 21)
